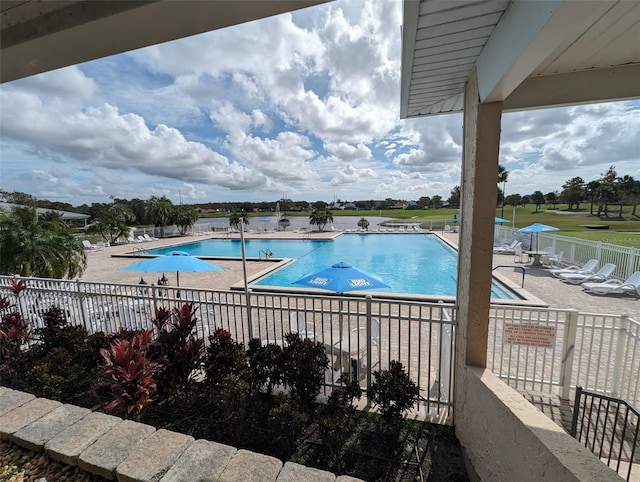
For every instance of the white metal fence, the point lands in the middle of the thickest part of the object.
(535, 349)
(553, 351)
(360, 334)
(578, 251)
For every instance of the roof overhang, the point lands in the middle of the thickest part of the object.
(39, 36)
(527, 54)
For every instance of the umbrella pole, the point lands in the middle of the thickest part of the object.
(246, 284)
(340, 319)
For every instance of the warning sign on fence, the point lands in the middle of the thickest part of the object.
(531, 335)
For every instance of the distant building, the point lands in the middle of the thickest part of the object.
(66, 215)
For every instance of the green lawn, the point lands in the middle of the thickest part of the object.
(624, 232)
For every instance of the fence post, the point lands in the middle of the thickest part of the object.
(249, 317)
(576, 412)
(623, 330)
(83, 307)
(572, 256)
(369, 343)
(631, 255)
(568, 352)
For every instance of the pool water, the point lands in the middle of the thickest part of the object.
(413, 264)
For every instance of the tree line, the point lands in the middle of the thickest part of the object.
(608, 190)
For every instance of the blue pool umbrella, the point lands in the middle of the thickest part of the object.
(173, 261)
(537, 228)
(341, 277)
(501, 221)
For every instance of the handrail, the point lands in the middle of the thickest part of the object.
(601, 439)
(267, 254)
(509, 266)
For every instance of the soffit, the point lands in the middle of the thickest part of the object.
(526, 54)
(37, 36)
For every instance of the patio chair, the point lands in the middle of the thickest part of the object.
(519, 256)
(507, 248)
(127, 317)
(554, 259)
(88, 245)
(298, 324)
(630, 286)
(602, 275)
(588, 268)
(146, 237)
(548, 251)
(375, 334)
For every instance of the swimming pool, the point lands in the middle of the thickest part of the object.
(413, 264)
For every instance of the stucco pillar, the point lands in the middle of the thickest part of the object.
(478, 206)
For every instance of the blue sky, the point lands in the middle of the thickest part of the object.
(302, 105)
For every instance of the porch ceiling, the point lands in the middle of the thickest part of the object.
(527, 54)
(37, 36)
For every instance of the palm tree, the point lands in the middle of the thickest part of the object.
(236, 217)
(161, 210)
(185, 218)
(35, 247)
(363, 223)
(112, 222)
(320, 218)
(503, 175)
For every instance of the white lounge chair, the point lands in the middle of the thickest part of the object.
(375, 333)
(298, 324)
(588, 268)
(553, 259)
(146, 237)
(507, 248)
(86, 244)
(602, 275)
(630, 286)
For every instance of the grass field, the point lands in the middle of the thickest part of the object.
(624, 232)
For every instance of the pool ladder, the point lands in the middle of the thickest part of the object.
(266, 253)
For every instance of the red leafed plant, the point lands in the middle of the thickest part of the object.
(131, 374)
(14, 332)
(17, 286)
(177, 347)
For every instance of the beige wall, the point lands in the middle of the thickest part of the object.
(508, 439)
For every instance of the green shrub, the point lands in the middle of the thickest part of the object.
(224, 357)
(265, 365)
(237, 405)
(393, 391)
(336, 419)
(63, 361)
(304, 363)
(287, 419)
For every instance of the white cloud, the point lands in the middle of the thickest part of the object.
(303, 104)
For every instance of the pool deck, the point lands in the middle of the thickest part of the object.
(102, 266)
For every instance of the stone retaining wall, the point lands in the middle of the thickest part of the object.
(129, 451)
